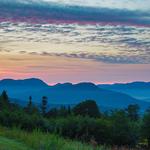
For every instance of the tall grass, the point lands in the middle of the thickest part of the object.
(38, 140)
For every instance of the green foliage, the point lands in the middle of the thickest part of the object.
(146, 127)
(38, 140)
(31, 108)
(5, 98)
(123, 131)
(83, 128)
(59, 112)
(23, 120)
(133, 112)
(87, 108)
(44, 105)
(4, 101)
(6, 144)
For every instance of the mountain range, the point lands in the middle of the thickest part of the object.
(138, 90)
(70, 94)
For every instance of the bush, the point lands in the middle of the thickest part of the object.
(146, 127)
(124, 132)
(83, 128)
(39, 140)
(87, 108)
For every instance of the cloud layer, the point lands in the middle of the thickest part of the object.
(42, 12)
(106, 31)
(123, 4)
(110, 44)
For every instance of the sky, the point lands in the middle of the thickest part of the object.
(100, 41)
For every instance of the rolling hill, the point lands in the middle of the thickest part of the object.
(67, 93)
(138, 90)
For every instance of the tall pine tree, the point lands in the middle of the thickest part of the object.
(44, 105)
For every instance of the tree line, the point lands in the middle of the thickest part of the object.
(84, 122)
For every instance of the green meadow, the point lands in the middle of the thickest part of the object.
(16, 139)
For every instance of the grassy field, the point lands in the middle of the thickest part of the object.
(10, 144)
(15, 139)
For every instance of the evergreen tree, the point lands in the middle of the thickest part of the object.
(30, 101)
(69, 110)
(44, 105)
(4, 100)
(31, 108)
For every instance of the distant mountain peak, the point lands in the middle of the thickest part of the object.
(136, 84)
(78, 86)
(23, 82)
(86, 85)
(139, 89)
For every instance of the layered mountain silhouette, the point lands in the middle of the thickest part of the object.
(33, 82)
(67, 93)
(138, 90)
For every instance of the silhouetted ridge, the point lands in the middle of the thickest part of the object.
(137, 84)
(79, 86)
(68, 93)
(139, 90)
(26, 82)
(86, 86)
(65, 85)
